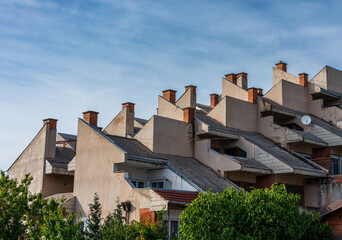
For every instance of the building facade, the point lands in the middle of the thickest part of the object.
(291, 135)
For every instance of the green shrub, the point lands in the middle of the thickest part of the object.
(258, 214)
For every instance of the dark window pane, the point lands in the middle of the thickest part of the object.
(140, 184)
(134, 183)
(160, 185)
(174, 229)
(154, 185)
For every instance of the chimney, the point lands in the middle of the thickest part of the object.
(213, 99)
(188, 115)
(231, 77)
(170, 95)
(303, 79)
(259, 92)
(252, 95)
(193, 88)
(52, 122)
(129, 105)
(50, 142)
(282, 66)
(90, 117)
(241, 80)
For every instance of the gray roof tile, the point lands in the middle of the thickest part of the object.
(204, 177)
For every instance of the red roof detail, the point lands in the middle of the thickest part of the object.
(177, 196)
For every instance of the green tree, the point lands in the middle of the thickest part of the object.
(258, 214)
(56, 225)
(114, 226)
(94, 219)
(18, 207)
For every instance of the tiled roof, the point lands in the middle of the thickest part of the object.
(69, 137)
(204, 107)
(189, 168)
(332, 207)
(250, 162)
(263, 143)
(315, 120)
(141, 121)
(62, 158)
(309, 136)
(177, 196)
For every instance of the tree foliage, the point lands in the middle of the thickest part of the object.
(94, 219)
(258, 214)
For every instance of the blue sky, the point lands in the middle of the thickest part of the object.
(60, 58)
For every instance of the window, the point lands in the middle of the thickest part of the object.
(172, 227)
(237, 152)
(335, 165)
(138, 184)
(157, 185)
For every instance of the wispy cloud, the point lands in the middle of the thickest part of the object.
(59, 58)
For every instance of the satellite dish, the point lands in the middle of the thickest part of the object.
(306, 120)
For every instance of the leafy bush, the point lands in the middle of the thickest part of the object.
(29, 216)
(259, 214)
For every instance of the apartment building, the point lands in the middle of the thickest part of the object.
(291, 135)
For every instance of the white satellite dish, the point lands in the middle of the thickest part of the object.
(306, 120)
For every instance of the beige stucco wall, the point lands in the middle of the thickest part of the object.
(275, 93)
(145, 135)
(216, 161)
(278, 75)
(121, 124)
(334, 78)
(236, 110)
(169, 110)
(188, 99)
(94, 173)
(232, 90)
(242, 177)
(321, 78)
(295, 96)
(219, 112)
(56, 183)
(31, 161)
(172, 137)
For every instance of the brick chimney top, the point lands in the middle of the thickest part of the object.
(243, 74)
(51, 121)
(191, 86)
(282, 66)
(303, 79)
(213, 99)
(129, 105)
(231, 77)
(260, 91)
(170, 95)
(90, 117)
(252, 95)
(188, 115)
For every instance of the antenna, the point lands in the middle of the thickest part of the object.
(306, 119)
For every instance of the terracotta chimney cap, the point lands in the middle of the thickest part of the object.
(47, 119)
(90, 117)
(51, 121)
(190, 86)
(282, 66)
(89, 111)
(128, 103)
(169, 90)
